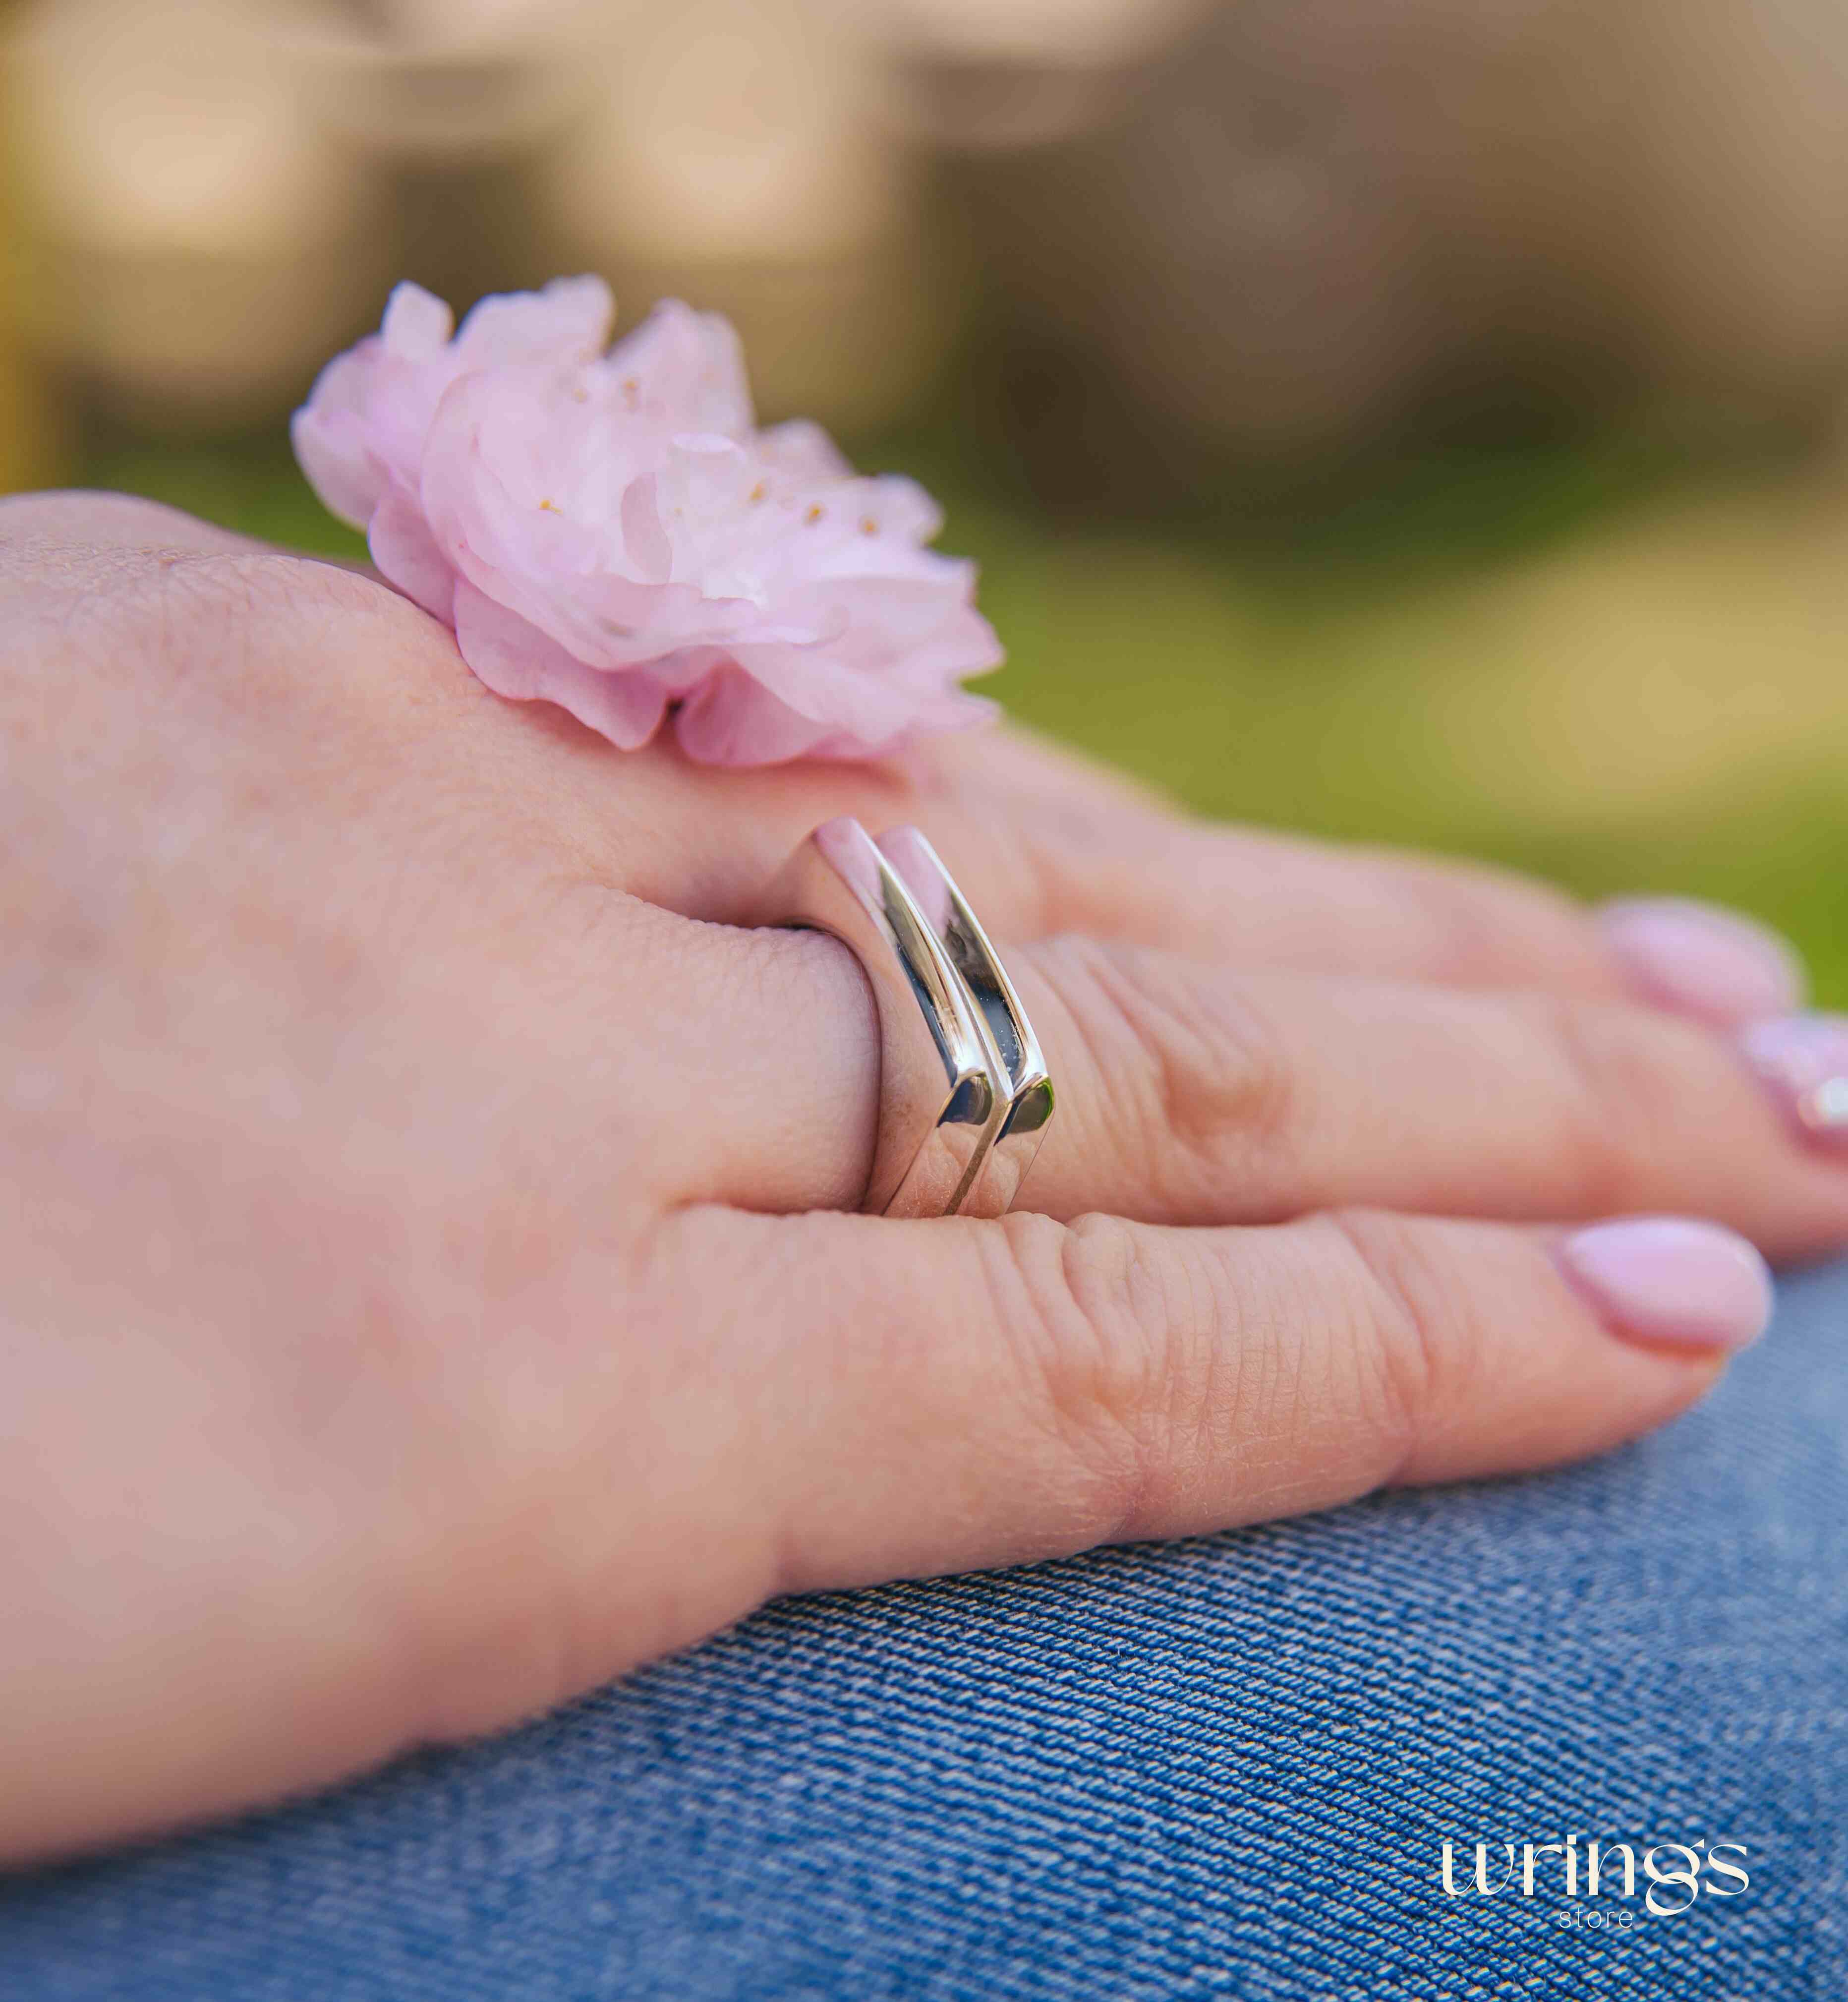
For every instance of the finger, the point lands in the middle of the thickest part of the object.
(1103, 858)
(1187, 1094)
(957, 1394)
(1043, 843)
(1123, 865)
(714, 1064)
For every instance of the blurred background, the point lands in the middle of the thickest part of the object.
(1419, 419)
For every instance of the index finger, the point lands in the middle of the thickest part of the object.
(944, 1395)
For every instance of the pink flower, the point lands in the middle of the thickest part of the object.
(612, 532)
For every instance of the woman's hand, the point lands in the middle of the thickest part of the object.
(426, 1289)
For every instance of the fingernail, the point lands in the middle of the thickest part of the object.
(1669, 1280)
(1803, 1062)
(1700, 959)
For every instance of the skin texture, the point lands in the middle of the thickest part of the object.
(426, 1292)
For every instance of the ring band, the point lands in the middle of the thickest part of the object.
(1029, 1091)
(964, 1096)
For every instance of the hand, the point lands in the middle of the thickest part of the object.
(427, 1293)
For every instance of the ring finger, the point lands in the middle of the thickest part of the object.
(1190, 1094)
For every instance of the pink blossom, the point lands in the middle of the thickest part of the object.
(612, 532)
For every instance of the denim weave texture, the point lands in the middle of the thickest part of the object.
(1217, 1769)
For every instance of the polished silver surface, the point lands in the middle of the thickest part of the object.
(998, 1174)
(944, 1089)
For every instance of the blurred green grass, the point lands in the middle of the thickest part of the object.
(1300, 668)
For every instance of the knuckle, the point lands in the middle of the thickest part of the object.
(200, 622)
(1622, 1095)
(1181, 1071)
(44, 534)
(1420, 1350)
(272, 610)
(182, 619)
(1114, 1341)
(280, 638)
(144, 590)
(1481, 923)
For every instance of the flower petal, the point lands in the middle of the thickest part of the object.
(611, 533)
(733, 719)
(417, 324)
(517, 661)
(685, 369)
(332, 443)
(568, 322)
(406, 555)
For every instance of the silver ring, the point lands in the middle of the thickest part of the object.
(1027, 1084)
(963, 1094)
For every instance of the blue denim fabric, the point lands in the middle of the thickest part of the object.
(1219, 1768)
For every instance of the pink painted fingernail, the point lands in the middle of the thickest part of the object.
(1803, 1062)
(1669, 1280)
(1700, 959)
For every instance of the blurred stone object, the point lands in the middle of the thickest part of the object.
(1310, 216)
(225, 189)
(740, 155)
(1275, 227)
(448, 79)
(1737, 126)
(453, 105)
(979, 75)
(198, 239)
(729, 151)
(29, 430)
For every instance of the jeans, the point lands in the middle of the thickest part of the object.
(1225, 1768)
